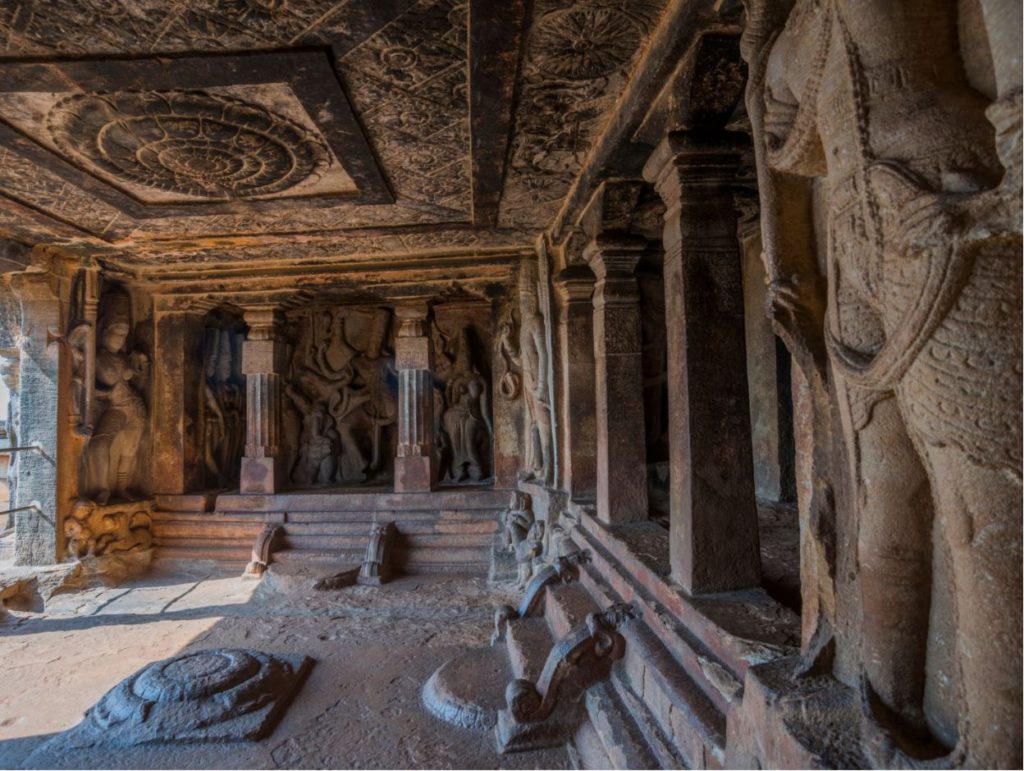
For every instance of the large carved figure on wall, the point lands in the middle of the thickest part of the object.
(465, 417)
(109, 458)
(223, 401)
(533, 362)
(918, 308)
(341, 388)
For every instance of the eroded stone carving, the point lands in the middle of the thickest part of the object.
(212, 695)
(466, 418)
(919, 312)
(341, 390)
(96, 530)
(196, 143)
(533, 362)
(110, 457)
(266, 542)
(565, 569)
(376, 568)
(585, 653)
(223, 412)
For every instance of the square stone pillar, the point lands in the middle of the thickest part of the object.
(575, 289)
(415, 461)
(264, 358)
(177, 388)
(714, 538)
(619, 379)
(40, 375)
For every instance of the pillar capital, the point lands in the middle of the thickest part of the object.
(614, 256)
(574, 283)
(412, 319)
(264, 321)
(691, 161)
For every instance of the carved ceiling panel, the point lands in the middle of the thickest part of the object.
(230, 120)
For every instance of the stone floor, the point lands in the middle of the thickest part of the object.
(374, 648)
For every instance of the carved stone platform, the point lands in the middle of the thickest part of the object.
(446, 530)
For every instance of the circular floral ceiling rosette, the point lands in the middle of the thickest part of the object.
(187, 142)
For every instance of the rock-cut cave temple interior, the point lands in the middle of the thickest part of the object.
(510, 384)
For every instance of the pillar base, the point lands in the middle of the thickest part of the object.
(261, 475)
(415, 473)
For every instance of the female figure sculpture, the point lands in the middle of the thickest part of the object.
(467, 420)
(111, 453)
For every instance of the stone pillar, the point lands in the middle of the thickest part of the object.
(619, 379)
(575, 288)
(415, 463)
(714, 539)
(177, 386)
(264, 357)
(35, 530)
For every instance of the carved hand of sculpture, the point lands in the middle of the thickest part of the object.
(797, 308)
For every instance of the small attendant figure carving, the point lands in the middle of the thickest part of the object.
(527, 551)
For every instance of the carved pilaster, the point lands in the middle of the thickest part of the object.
(714, 542)
(176, 371)
(35, 527)
(415, 461)
(619, 390)
(264, 354)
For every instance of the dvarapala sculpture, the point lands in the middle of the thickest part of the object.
(915, 316)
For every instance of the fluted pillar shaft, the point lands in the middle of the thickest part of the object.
(415, 461)
(264, 357)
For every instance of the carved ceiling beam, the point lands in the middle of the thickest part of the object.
(495, 40)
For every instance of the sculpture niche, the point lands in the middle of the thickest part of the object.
(109, 518)
(919, 313)
(465, 433)
(341, 390)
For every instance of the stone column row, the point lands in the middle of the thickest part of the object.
(264, 357)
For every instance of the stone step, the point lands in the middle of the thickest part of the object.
(404, 541)
(399, 516)
(290, 556)
(203, 517)
(566, 606)
(176, 528)
(192, 552)
(409, 527)
(674, 710)
(528, 641)
(616, 740)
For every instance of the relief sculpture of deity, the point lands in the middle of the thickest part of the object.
(341, 386)
(918, 310)
(532, 360)
(110, 456)
(223, 405)
(466, 419)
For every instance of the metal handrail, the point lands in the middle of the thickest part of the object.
(30, 507)
(32, 447)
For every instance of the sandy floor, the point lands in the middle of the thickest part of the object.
(360, 707)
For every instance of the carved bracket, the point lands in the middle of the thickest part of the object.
(584, 656)
(268, 541)
(376, 569)
(563, 570)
